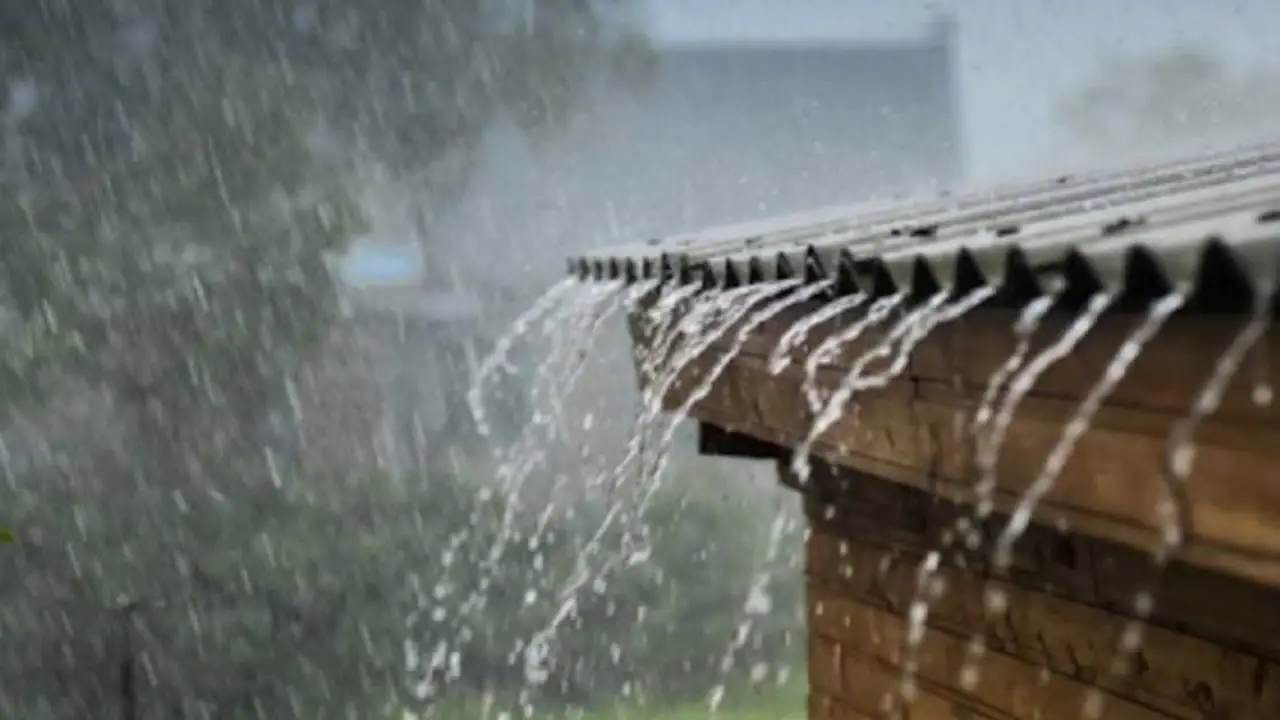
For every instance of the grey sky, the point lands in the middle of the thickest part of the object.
(1017, 56)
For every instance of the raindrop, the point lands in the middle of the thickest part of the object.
(1079, 423)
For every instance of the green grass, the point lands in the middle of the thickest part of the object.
(786, 703)
(770, 703)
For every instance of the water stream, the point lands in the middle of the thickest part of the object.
(909, 332)
(701, 327)
(756, 604)
(1077, 425)
(570, 324)
(826, 351)
(748, 327)
(936, 316)
(572, 331)
(706, 321)
(498, 357)
(928, 589)
(623, 301)
(685, 325)
(795, 335)
(989, 447)
(1024, 330)
(1080, 422)
(1174, 510)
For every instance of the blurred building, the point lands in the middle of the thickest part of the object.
(713, 134)
(718, 133)
(392, 382)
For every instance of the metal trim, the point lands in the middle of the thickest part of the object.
(1102, 230)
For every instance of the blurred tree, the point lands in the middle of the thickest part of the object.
(174, 176)
(1182, 99)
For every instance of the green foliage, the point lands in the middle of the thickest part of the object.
(7, 537)
(300, 599)
(673, 614)
(166, 214)
(185, 269)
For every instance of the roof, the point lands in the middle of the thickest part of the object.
(1211, 222)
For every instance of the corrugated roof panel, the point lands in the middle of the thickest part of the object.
(1172, 217)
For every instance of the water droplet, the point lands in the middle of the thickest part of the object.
(969, 677)
(1263, 395)
(1094, 703)
(996, 601)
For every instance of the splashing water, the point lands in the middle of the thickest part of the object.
(669, 326)
(1080, 421)
(701, 328)
(627, 301)
(740, 339)
(917, 326)
(732, 307)
(1174, 511)
(795, 335)
(830, 347)
(1024, 329)
(928, 322)
(572, 323)
(751, 296)
(706, 317)
(678, 317)
(555, 377)
(911, 330)
(706, 322)
(1180, 456)
(653, 477)
(1023, 382)
(757, 603)
(929, 588)
(834, 408)
(583, 319)
(498, 356)
(669, 323)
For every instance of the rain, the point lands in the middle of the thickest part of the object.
(302, 417)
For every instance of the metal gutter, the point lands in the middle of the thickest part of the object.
(1211, 223)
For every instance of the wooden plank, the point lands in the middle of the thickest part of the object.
(912, 432)
(1155, 382)
(1066, 564)
(822, 707)
(1178, 674)
(745, 397)
(971, 348)
(877, 694)
(824, 666)
(1004, 684)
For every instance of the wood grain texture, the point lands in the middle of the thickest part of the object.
(914, 430)
(1046, 648)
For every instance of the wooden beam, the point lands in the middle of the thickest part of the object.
(719, 442)
(916, 429)
(1068, 601)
